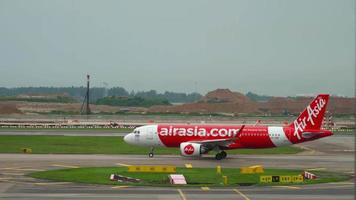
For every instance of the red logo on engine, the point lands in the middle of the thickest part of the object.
(189, 149)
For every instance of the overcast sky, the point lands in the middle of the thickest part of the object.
(274, 47)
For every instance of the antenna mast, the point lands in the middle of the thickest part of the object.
(86, 109)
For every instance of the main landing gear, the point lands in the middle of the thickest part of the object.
(221, 155)
(151, 153)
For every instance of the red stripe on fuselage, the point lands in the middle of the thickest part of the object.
(250, 137)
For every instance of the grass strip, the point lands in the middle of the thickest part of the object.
(42, 144)
(194, 177)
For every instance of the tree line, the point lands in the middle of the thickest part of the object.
(97, 93)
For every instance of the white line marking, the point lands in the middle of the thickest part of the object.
(122, 164)
(52, 183)
(19, 169)
(286, 186)
(242, 194)
(13, 174)
(120, 186)
(65, 166)
(181, 194)
(205, 188)
(316, 169)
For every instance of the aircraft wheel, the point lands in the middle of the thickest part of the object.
(151, 152)
(218, 156)
(224, 154)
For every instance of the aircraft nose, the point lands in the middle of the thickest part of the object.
(127, 138)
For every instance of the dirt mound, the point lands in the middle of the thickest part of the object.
(222, 101)
(342, 105)
(282, 105)
(9, 108)
(225, 96)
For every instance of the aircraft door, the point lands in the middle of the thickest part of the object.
(150, 133)
(137, 136)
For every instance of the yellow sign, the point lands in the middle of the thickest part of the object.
(152, 168)
(246, 170)
(297, 179)
(285, 179)
(281, 179)
(265, 179)
(218, 169)
(256, 169)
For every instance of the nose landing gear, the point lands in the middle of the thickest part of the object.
(151, 154)
(221, 155)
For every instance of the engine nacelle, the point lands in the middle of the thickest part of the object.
(191, 149)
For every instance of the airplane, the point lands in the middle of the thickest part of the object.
(194, 140)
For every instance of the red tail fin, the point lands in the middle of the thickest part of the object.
(312, 116)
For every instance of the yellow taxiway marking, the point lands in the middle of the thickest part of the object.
(19, 169)
(342, 183)
(13, 174)
(7, 168)
(123, 164)
(36, 170)
(286, 186)
(205, 188)
(14, 178)
(65, 166)
(316, 169)
(350, 183)
(333, 186)
(52, 183)
(242, 194)
(181, 194)
(120, 186)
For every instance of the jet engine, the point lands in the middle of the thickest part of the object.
(192, 149)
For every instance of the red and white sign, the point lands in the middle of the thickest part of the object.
(177, 179)
(308, 175)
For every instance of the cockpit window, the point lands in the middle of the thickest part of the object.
(136, 132)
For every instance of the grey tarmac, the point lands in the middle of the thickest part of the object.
(333, 153)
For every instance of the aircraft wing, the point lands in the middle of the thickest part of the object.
(221, 142)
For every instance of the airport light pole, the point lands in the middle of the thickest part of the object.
(86, 109)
